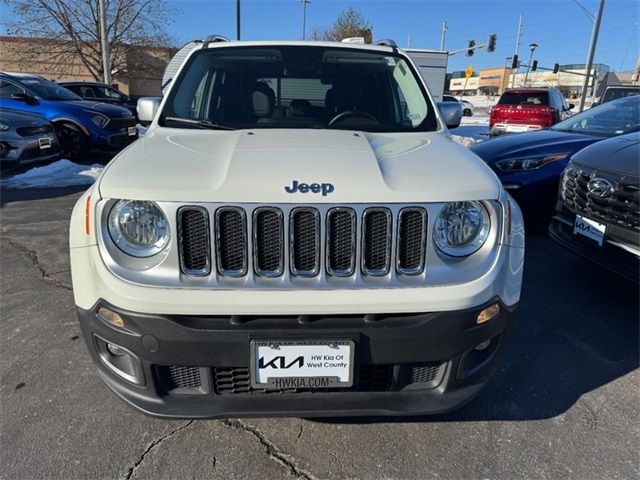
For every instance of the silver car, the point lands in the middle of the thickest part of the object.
(26, 138)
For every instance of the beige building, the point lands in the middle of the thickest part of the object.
(140, 75)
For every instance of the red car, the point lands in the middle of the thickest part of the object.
(528, 109)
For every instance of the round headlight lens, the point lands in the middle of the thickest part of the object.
(461, 228)
(138, 228)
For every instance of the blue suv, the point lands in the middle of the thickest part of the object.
(79, 124)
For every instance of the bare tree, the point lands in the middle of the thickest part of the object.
(65, 31)
(350, 23)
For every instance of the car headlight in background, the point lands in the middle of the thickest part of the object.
(461, 228)
(3, 127)
(531, 163)
(99, 120)
(138, 228)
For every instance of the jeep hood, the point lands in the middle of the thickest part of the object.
(243, 166)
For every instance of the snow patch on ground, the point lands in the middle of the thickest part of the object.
(472, 130)
(63, 173)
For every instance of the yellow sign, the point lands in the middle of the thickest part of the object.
(468, 73)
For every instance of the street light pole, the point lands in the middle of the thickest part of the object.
(444, 34)
(515, 71)
(304, 17)
(532, 47)
(238, 19)
(592, 52)
(104, 43)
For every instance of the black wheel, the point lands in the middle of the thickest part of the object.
(466, 112)
(73, 144)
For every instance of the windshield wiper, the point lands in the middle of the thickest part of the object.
(198, 123)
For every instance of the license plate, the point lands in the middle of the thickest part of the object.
(133, 131)
(301, 364)
(44, 142)
(516, 128)
(590, 229)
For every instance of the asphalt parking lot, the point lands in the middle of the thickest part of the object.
(564, 405)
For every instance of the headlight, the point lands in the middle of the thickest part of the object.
(533, 163)
(461, 228)
(138, 228)
(100, 120)
(3, 127)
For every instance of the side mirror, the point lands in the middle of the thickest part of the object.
(147, 108)
(451, 113)
(25, 97)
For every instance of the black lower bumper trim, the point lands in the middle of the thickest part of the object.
(404, 364)
(608, 256)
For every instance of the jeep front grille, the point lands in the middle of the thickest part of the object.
(376, 241)
(320, 243)
(193, 236)
(231, 241)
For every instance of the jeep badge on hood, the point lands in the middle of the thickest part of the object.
(325, 188)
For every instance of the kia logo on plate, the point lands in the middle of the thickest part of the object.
(599, 187)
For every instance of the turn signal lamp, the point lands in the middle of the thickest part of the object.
(488, 313)
(111, 317)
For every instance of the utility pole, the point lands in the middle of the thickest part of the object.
(513, 78)
(592, 52)
(238, 19)
(444, 34)
(104, 42)
(304, 17)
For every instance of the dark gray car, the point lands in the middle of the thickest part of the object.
(26, 138)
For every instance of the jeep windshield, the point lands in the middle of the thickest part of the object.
(299, 87)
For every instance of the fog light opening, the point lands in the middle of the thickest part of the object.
(111, 317)
(488, 313)
(115, 350)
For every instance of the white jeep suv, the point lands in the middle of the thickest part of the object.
(296, 220)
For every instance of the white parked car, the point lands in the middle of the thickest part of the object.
(467, 107)
(297, 220)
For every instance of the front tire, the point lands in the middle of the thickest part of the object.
(467, 112)
(74, 145)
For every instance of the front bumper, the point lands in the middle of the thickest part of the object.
(611, 255)
(196, 366)
(500, 128)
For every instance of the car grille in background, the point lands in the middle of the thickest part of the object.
(268, 245)
(341, 242)
(376, 244)
(621, 207)
(305, 242)
(231, 237)
(195, 253)
(412, 225)
(36, 130)
(120, 123)
(302, 241)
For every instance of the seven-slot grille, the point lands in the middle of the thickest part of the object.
(621, 207)
(296, 242)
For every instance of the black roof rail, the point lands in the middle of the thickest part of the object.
(212, 39)
(387, 42)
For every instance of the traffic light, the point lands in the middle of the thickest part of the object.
(556, 67)
(491, 43)
(534, 66)
(514, 62)
(470, 51)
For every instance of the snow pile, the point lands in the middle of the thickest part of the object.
(466, 141)
(62, 173)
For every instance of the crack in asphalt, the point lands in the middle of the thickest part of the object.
(272, 450)
(33, 256)
(153, 445)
